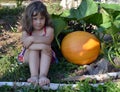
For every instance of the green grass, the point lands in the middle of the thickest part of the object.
(11, 70)
(81, 87)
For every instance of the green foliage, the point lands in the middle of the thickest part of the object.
(59, 25)
(86, 8)
(80, 87)
(30, 88)
(10, 17)
(106, 18)
(6, 11)
(19, 3)
(10, 70)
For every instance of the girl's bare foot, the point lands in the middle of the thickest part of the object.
(33, 79)
(44, 81)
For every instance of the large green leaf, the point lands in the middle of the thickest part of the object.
(86, 8)
(112, 30)
(117, 21)
(98, 18)
(109, 28)
(115, 7)
(65, 13)
(118, 17)
(102, 28)
(110, 25)
(105, 19)
(59, 25)
(105, 16)
(95, 19)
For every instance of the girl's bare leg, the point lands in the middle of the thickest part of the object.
(44, 68)
(44, 62)
(26, 56)
(33, 65)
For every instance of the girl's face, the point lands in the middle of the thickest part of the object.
(38, 21)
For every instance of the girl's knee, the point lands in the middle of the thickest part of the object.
(34, 52)
(28, 53)
(48, 53)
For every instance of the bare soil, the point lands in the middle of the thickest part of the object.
(8, 40)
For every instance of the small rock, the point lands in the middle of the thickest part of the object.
(117, 60)
(99, 67)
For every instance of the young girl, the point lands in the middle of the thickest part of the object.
(37, 35)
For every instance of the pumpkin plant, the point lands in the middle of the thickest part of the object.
(105, 18)
(112, 28)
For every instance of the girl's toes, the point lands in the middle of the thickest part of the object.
(33, 80)
(44, 81)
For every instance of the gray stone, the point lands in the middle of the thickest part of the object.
(99, 67)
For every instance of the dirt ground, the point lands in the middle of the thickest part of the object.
(9, 40)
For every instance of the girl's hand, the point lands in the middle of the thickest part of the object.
(28, 41)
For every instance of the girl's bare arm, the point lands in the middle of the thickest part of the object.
(26, 39)
(47, 39)
(40, 47)
(46, 49)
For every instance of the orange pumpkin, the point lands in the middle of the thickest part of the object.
(80, 47)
